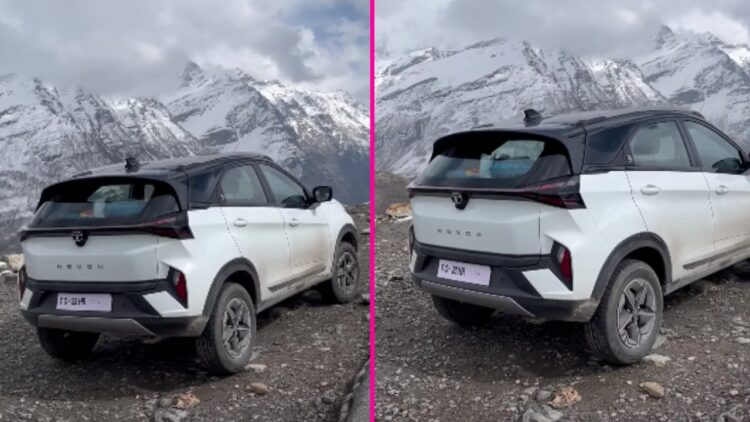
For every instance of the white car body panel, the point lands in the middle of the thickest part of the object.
(730, 202)
(680, 214)
(130, 258)
(261, 237)
(485, 225)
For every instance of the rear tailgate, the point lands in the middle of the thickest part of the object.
(486, 192)
(102, 229)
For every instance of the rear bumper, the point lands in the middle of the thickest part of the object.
(154, 326)
(509, 290)
(131, 313)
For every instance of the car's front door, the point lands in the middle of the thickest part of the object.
(306, 227)
(671, 194)
(723, 167)
(255, 224)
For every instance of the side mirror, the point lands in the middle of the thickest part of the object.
(322, 193)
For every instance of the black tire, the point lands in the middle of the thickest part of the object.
(67, 345)
(210, 346)
(344, 285)
(603, 332)
(465, 314)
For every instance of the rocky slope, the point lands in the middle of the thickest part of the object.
(48, 133)
(428, 93)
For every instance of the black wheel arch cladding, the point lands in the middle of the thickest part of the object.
(349, 232)
(235, 266)
(640, 241)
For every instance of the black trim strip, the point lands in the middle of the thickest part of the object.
(304, 276)
(96, 286)
(482, 258)
(705, 261)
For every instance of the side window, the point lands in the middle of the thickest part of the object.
(659, 145)
(715, 152)
(241, 186)
(286, 191)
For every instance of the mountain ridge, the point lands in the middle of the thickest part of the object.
(428, 93)
(48, 133)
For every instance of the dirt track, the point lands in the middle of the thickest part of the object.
(311, 352)
(431, 370)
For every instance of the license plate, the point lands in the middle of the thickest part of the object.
(100, 302)
(467, 273)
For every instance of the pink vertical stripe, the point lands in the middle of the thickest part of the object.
(372, 210)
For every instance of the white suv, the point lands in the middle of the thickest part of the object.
(589, 217)
(187, 247)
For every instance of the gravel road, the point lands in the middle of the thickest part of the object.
(308, 354)
(431, 370)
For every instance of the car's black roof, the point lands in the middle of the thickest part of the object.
(563, 124)
(188, 164)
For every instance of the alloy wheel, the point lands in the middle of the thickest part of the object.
(636, 313)
(236, 328)
(346, 273)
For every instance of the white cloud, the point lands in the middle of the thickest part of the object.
(137, 46)
(584, 27)
(728, 29)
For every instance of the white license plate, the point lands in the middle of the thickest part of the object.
(467, 273)
(100, 302)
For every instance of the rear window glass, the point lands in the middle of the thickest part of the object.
(496, 162)
(99, 203)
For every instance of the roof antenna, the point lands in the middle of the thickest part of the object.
(132, 164)
(531, 117)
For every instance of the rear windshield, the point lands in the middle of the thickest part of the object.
(101, 203)
(496, 162)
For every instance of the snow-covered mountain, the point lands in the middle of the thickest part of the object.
(48, 133)
(428, 93)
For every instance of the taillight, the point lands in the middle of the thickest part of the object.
(565, 264)
(563, 193)
(21, 283)
(175, 227)
(410, 240)
(179, 284)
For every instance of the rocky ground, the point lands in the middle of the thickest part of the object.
(308, 356)
(431, 370)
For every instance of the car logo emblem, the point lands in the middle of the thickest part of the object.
(459, 200)
(79, 237)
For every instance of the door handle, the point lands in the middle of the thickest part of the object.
(721, 190)
(650, 190)
(294, 222)
(240, 222)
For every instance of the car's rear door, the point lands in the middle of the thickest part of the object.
(671, 194)
(723, 167)
(306, 227)
(255, 224)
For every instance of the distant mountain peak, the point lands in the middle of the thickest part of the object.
(191, 74)
(664, 36)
